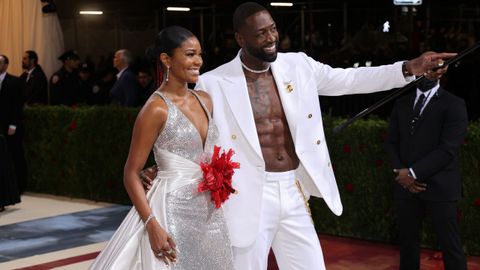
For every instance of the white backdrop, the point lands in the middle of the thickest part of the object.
(25, 27)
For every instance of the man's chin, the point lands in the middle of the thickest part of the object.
(270, 57)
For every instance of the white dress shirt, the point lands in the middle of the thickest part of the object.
(428, 95)
(2, 77)
(29, 73)
(121, 72)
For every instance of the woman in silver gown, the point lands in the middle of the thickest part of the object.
(173, 226)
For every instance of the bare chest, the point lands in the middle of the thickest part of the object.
(264, 98)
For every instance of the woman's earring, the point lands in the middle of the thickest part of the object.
(168, 73)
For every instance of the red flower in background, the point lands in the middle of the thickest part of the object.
(217, 176)
(72, 126)
(476, 202)
(379, 163)
(349, 187)
(347, 149)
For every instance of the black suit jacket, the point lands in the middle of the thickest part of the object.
(66, 88)
(431, 150)
(125, 90)
(11, 103)
(36, 88)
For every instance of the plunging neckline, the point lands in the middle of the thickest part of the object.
(205, 111)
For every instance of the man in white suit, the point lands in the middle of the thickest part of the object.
(266, 108)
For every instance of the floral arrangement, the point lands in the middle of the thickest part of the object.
(217, 176)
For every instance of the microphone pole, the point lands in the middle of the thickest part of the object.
(402, 90)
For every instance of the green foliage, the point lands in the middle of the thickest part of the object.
(80, 152)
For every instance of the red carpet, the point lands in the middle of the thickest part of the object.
(62, 262)
(348, 254)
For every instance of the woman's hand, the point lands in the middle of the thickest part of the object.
(147, 175)
(161, 243)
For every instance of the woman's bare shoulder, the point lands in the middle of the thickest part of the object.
(154, 109)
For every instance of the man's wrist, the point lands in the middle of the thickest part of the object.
(405, 71)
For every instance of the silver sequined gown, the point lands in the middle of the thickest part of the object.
(198, 228)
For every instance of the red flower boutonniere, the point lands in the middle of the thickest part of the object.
(217, 176)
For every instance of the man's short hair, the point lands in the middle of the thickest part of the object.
(5, 58)
(32, 55)
(127, 56)
(244, 11)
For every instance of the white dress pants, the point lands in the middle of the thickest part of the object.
(286, 226)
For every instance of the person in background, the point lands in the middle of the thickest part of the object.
(65, 84)
(87, 81)
(11, 129)
(125, 90)
(105, 80)
(36, 83)
(147, 85)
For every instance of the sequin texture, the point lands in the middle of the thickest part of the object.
(198, 228)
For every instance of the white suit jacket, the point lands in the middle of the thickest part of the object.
(299, 80)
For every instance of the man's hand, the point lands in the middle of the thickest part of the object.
(417, 187)
(406, 181)
(147, 177)
(425, 63)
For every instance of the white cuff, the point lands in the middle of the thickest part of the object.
(412, 173)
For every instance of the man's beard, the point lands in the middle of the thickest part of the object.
(25, 66)
(259, 53)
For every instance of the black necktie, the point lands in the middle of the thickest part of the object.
(416, 112)
(418, 106)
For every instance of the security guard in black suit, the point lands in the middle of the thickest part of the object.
(426, 131)
(65, 84)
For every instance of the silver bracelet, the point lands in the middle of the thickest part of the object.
(150, 217)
